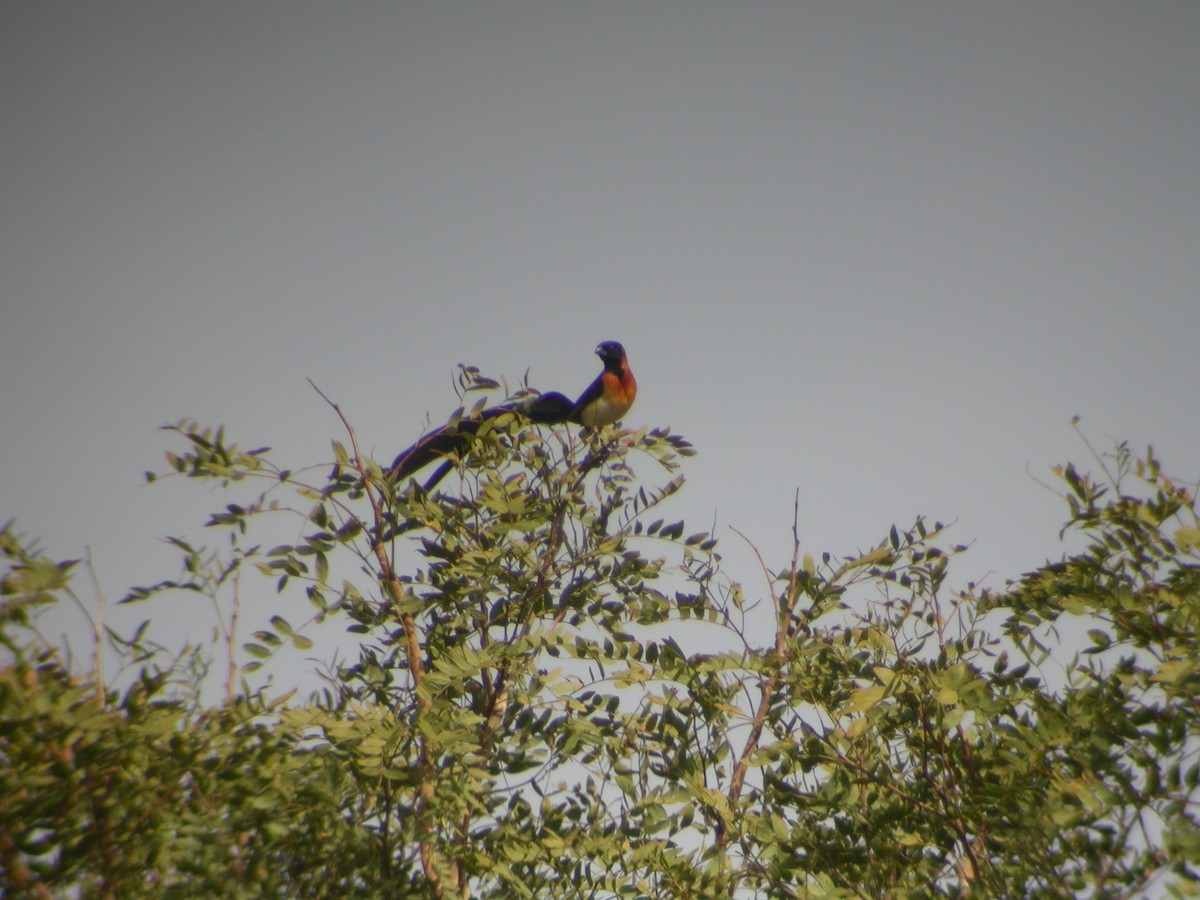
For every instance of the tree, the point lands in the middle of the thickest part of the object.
(557, 692)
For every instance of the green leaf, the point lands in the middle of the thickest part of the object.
(863, 699)
(1187, 539)
(258, 651)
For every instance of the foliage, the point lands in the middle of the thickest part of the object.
(556, 692)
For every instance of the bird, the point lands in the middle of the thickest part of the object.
(603, 402)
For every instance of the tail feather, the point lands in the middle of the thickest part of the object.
(544, 409)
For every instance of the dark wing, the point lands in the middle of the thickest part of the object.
(551, 408)
(591, 395)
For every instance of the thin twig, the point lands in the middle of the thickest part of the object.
(97, 632)
(231, 636)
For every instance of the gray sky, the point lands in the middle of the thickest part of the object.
(878, 252)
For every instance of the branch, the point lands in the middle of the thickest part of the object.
(416, 668)
(784, 606)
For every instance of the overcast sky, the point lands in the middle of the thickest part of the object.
(878, 252)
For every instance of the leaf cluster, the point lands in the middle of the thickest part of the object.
(554, 690)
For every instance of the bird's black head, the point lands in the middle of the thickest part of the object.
(611, 353)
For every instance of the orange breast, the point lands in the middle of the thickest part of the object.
(619, 393)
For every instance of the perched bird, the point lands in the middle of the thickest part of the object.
(604, 401)
(611, 394)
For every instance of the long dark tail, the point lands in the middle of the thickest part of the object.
(451, 440)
